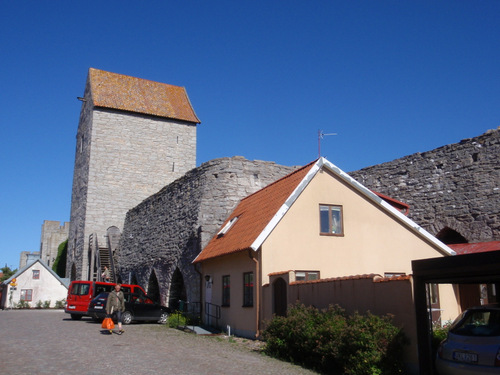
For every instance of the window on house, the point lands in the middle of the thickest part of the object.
(248, 289)
(228, 226)
(434, 293)
(226, 290)
(306, 275)
(330, 220)
(26, 294)
(36, 274)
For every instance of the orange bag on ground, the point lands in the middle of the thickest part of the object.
(107, 323)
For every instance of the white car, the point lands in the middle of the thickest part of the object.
(472, 346)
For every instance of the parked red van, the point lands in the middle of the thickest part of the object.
(80, 293)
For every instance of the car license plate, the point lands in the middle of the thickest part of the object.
(71, 307)
(465, 357)
(98, 307)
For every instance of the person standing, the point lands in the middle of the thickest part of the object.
(116, 305)
(106, 275)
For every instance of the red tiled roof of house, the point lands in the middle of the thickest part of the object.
(471, 248)
(392, 278)
(254, 213)
(118, 91)
(279, 273)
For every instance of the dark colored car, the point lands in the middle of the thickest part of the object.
(472, 346)
(138, 307)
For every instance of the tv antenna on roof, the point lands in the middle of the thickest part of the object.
(320, 137)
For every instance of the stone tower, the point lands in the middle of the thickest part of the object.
(134, 137)
(53, 234)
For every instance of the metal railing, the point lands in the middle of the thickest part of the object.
(212, 311)
(191, 311)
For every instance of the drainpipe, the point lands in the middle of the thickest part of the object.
(257, 292)
(201, 286)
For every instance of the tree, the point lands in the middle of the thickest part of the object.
(7, 273)
(59, 265)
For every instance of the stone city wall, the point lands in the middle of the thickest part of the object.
(167, 230)
(455, 186)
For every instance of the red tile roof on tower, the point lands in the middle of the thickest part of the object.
(253, 215)
(118, 91)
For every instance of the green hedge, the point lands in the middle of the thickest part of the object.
(332, 342)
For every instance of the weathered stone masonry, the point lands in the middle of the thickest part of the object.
(455, 186)
(168, 230)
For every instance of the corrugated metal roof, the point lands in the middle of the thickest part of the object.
(472, 248)
(118, 91)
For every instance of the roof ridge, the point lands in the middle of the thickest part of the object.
(134, 77)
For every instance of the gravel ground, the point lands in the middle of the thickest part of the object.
(49, 342)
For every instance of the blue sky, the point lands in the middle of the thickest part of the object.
(391, 78)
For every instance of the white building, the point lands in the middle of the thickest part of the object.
(35, 282)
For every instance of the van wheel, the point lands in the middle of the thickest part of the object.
(76, 316)
(126, 317)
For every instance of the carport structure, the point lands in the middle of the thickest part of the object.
(480, 268)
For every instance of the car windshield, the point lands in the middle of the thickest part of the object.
(478, 323)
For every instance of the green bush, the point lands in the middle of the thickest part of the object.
(175, 320)
(332, 342)
(23, 305)
(60, 304)
(439, 333)
(178, 319)
(42, 305)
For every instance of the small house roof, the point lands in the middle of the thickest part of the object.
(118, 91)
(256, 215)
(64, 282)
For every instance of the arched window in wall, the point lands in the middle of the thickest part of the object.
(450, 236)
(153, 287)
(177, 290)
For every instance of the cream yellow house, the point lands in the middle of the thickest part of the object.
(316, 223)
